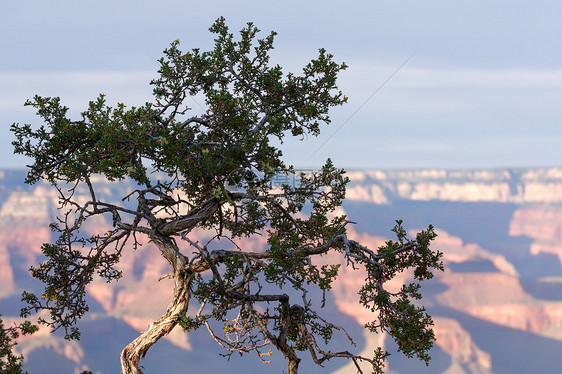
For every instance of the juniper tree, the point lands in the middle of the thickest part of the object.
(214, 171)
(9, 362)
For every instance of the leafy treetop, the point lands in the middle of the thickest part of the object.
(214, 171)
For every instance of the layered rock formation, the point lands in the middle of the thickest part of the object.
(500, 232)
(505, 186)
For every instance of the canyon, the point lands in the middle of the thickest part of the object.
(497, 307)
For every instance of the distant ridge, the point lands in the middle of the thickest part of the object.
(500, 231)
(519, 185)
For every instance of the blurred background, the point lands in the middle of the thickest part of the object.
(453, 119)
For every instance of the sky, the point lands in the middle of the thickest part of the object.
(431, 84)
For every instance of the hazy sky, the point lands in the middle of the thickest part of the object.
(483, 88)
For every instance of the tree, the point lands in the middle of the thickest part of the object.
(9, 362)
(214, 171)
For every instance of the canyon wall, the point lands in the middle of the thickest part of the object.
(500, 232)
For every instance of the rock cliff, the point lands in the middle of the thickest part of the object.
(502, 272)
(505, 186)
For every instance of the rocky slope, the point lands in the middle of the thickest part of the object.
(501, 185)
(497, 307)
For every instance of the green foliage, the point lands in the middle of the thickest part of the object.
(215, 171)
(9, 362)
(407, 323)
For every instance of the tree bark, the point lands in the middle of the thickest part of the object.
(131, 355)
(191, 219)
(293, 367)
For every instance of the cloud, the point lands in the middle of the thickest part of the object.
(75, 88)
(441, 91)
(443, 114)
(413, 90)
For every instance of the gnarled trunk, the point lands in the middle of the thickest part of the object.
(131, 355)
(293, 367)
